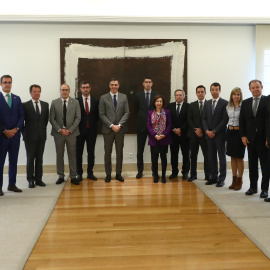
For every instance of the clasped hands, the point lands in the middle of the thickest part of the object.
(64, 132)
(116, 128)
(210, 134)
(10, 133)
(159, 137)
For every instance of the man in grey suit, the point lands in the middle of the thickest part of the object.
(36, 117)
(65, 116)
(114, 113)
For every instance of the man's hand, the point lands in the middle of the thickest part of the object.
(10, 133)
(245, 141)
(210, 134)
(198, 132)
(116, 128)
(177, 131)
(64, 132)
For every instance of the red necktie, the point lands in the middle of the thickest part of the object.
(87, 111)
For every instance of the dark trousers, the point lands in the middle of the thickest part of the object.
(10, 146)
(34, 156)
(141, 140)
(216, 146)
(90, 140)
(194, 144)
(182, 143)
(154, 160)
(258, 151)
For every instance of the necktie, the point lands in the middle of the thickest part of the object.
(37, 109)
(201, 107)
(65, 114)
(9, 102)
(178, 109)
(254, 107)
(213, 106)
(114, 101)
(87, 112)
(147, 100)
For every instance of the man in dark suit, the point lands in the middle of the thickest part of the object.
(215, 119)
(114, 113)
(88, 131)
(65, 116)
(142, 103)
(252, 130)
(196, 134)
(11, 117)
(36, 118)
(179, 112)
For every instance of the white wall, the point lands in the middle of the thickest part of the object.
(30, 53)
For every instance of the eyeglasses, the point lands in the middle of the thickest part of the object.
(6, 82)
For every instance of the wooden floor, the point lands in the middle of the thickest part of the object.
(138, 225)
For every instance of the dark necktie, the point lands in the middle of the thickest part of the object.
(201, 107)
(65, 114)
(87, 112)
(213, 106)
(178, 109)
(37, 109)
(147, 100)
(255, 105)
(9, 102)
(114, 101)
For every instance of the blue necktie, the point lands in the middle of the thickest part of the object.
(114, 101)
(37, 109)
(9, 102)
(147, 100)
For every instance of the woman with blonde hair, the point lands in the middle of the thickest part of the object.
(235, 147)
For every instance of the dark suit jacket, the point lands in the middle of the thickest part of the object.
(141, 110)
(194, 119)
(35, 128)
(250, 125)
(218, 121)
(92, 117)
(151, 133)
(11, 117)
(109, 115)
(181, 120)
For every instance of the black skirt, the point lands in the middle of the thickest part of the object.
(235, 146)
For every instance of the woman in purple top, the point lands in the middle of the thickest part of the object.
(159, 127)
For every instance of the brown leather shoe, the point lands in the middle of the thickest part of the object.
(1, 192)
(14, 188)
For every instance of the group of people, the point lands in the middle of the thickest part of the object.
(208, 124)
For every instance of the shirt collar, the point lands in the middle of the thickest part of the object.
(147, 92)
(114, 94)
(66, 99)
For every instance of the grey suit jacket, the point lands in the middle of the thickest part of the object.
(109, 115)
(73, 116)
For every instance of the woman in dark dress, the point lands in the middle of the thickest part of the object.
(159, 127)
(235, 147)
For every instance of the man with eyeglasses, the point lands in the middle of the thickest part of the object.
(88, 131)
(12, 118)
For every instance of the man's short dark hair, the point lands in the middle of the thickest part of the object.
(113, 79)
(147, 78)
(6, 76)
(200, 86)
(215, 84)
(255, 81)
(84, 82)
(34, 85)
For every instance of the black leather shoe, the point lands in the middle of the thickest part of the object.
(74, 181)
(220, 183)
(192, 178)
(156, 179)
(91, 177)
(211, 181)
(108, 178)
(59, 181)
(251, 191)
(185, 176)
(79, 178)
(40, 183)
(119, 177)
(163, 180)
(31, 184)
(267, 200)
(172, 176)
(1, 192)
(14, 188)
(264, 194)
(139, 175)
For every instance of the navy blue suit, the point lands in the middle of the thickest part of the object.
(218, 122)
(10, 118)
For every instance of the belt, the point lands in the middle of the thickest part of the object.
(233, 128)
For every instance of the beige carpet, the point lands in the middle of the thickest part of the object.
(23, 217)
(250, 213)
